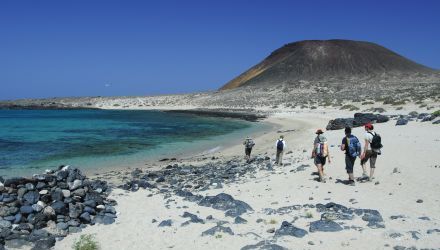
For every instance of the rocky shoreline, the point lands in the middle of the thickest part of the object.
(38, 211)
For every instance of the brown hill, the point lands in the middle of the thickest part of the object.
(323, 60)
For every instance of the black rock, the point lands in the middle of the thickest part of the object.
(59, 207)
(57, 195)
(374, 218)
(95, 197)
(193, 218)
(85, 217)
(226, 202)
(290, 230)
(26, 209)
(218, 229)
(239, 220)
(32, 197)
(264, 245)
(401, 121)
(325, 226)
(430, 231)
(44, 244)
(165, 223)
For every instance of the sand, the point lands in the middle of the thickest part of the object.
(413, 150)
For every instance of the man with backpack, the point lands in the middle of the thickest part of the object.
(280, 145)
(352, 147)
(371, 150)
(320, 153)
(248, 145)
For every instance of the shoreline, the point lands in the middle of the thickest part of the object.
(286, 196)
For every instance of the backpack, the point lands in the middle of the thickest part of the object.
(280, 145)
(354, 146)
(249, 143)
(319, 149)
(376, 142)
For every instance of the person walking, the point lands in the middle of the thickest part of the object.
(320, 153)
(352, 147)
(280, 146)
(248, 145)
(371, 150)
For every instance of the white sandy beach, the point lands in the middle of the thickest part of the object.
(412, 150)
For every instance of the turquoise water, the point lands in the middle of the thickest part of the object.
(34, 140)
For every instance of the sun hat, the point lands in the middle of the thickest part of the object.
(319, 131)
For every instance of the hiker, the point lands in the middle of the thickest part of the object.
(248, 145)
(280, 145)
(320, 153)
(371, 150)
(352, 147)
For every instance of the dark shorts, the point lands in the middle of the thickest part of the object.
(372, 156)
(247, 151)
(320, 160)
(349, 163)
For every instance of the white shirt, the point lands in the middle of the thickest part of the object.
(369, 138)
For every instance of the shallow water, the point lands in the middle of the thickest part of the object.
(34, 140)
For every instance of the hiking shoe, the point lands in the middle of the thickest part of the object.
(364, 176)
(351, 183)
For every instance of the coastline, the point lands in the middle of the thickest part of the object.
(281, 194)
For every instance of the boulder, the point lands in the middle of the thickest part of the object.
(290, 230)
(325, 226)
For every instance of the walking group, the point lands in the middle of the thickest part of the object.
(320, 153)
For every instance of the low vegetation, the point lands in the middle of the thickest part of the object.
(349, 107)
(86, 242)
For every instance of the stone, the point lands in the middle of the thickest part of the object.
(57, 195)
(62, 226)
(419, 201)
(29, 186)
(43, 192)
(290, 230)
(401, 121)
(218, 229)
(79, 192)
(37, 207)
(85, 217)
(193, 218)
(226, 202)
(264, 245)
(75, 184)
(26, 209)
(46, 243)
(59, 207)
(49, 211)
(325, 226)
(239, 220)
(74, 210)
(5, 224)
(165, 223)
(32, 197)
(66, 193)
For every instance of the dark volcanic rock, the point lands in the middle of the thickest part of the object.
(166, 223)
(218, 229)
(227, 203)
(289, 229)
(325, 226)
(193, 218)
(264, 245)
(360, 119)
(401, 121)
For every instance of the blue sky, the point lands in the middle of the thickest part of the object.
(110, 48)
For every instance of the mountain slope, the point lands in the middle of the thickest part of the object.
(323, 60)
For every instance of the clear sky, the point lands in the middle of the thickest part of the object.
(110, 48)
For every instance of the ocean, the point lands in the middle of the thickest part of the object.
(34, 140)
